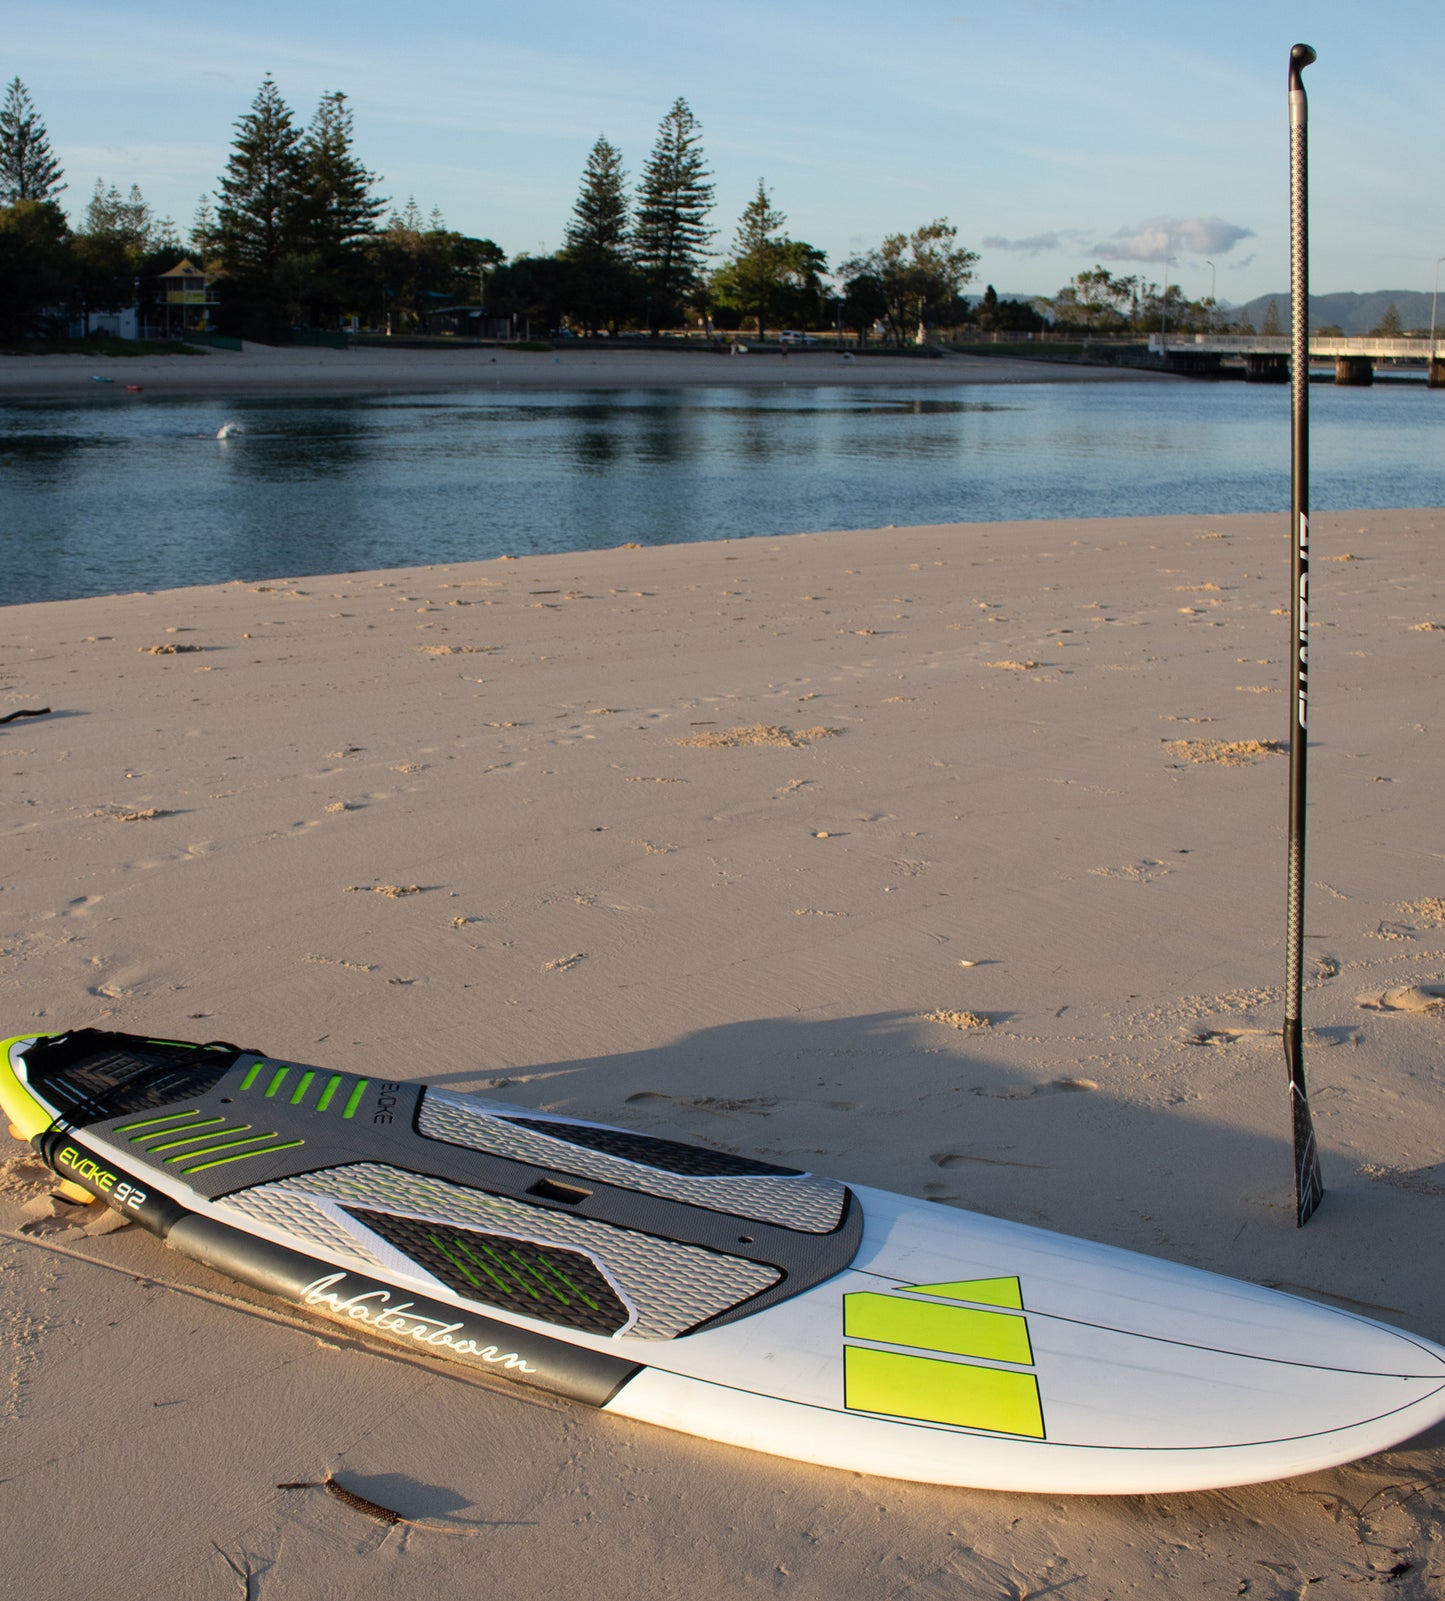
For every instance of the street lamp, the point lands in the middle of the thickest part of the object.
(1433, 300)
(1164, 304)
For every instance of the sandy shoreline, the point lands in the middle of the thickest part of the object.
(694, 840)
(259, 370)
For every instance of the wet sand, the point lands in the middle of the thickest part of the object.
(260, 369)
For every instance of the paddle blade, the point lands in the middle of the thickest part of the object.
(1309, 1185)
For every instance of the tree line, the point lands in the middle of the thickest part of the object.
(297, 235)
(1098, 302)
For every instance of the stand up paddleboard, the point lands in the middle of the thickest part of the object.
(725, 1297)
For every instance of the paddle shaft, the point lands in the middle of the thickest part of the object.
(1308, 1185)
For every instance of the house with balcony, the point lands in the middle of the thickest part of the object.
(186, 299)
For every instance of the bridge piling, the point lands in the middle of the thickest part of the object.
(1354, 372)
(1266, 369)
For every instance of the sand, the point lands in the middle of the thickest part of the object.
(949, 860)
(260, 369)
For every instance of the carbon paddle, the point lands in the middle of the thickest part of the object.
(1308, 1185)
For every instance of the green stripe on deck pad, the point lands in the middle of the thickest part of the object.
(220, 1161)
(175, 1120)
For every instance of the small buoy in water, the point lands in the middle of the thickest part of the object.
(228, 430)
(133, 389)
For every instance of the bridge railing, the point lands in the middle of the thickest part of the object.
(1268, 345)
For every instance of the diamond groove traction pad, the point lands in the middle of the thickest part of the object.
(223, 1122)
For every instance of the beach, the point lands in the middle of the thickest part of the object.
(948, 860)
(369, 369)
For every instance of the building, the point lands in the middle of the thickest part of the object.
(186, 299)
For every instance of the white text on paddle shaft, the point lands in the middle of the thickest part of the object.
(374, 1307)
(1302, 639)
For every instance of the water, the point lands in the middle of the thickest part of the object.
(117, 493)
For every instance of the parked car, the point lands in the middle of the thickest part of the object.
(791, 336)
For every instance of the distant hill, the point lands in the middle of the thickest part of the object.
(1352, 313)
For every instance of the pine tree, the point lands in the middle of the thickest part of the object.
(204, 234)
(262, 187)
(603, 282)
(758, 258)
(768, 276)
(102, 210)
(127, 221)
(339, 208)
(28, 170)
(598, 229)
(114, 250)
(671, 235)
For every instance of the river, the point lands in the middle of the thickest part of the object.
(117, 493)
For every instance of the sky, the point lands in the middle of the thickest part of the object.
(1151, 138)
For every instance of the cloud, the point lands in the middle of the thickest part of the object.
(1159, 238)
(1030, 247)
(1035, 244)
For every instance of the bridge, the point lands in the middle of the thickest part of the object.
(1266, 357)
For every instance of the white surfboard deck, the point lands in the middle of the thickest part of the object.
(1149, 1376)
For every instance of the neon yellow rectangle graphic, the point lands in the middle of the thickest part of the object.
(918, 1387)
(990, 1292)
(959, 1330)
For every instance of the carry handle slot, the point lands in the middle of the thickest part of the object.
(552, 1190)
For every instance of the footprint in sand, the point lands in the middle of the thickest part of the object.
(758, 734)
(1144, 872)
(1058, 1086)
(963, 1021)
(1429, 912)
(1225, 752)
(718, 1105)
(1423, 1181)
(1418, 998)
(947, 1159)
(24, 1177)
